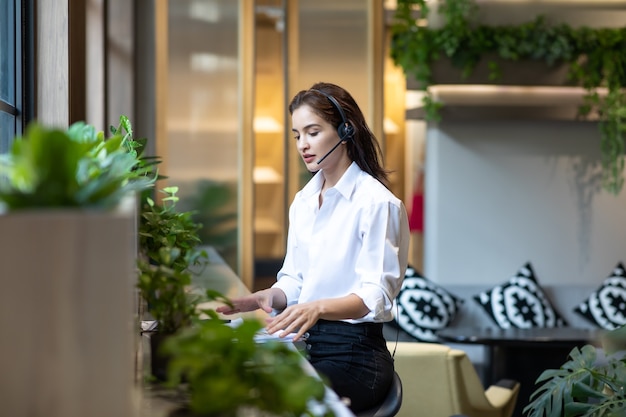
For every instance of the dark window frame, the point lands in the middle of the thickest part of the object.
(28, 61)
(22, 110)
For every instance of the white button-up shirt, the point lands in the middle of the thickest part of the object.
(356, 243)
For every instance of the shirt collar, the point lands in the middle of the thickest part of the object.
(345, 186)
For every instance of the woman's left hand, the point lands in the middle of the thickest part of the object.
(297, 318)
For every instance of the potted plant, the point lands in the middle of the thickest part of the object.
(168, 248)
(222, 371)
(67, 251)
(592, 383)
(78, 167)
(215, 208)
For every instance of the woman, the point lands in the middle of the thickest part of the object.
(347, 250)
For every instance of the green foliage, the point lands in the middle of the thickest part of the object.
(147, 164)
(216, 209)
(168, 246)
(595, 59)
(226, 370)
(613, 129)
(584, 386)
(78, 167)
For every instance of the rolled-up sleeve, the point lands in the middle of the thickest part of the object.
(382, 260)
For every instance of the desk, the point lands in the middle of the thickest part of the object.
(522, 354)
(217, 276)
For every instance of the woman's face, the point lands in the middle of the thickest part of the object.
(315, 137)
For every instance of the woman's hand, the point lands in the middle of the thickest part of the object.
(297, 318)
(264, 299)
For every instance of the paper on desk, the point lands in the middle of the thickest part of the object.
(149, 325)
(263, 336)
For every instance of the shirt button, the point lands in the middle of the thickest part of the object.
(308, 346)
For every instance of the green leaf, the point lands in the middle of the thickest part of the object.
(227, 370)
(582, 386)
(594, 58)
(78, 167)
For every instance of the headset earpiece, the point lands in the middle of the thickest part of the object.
(345, 130)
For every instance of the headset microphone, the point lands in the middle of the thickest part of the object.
(345, 129)
(329, 152)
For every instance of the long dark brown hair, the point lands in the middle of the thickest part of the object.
(363, 148)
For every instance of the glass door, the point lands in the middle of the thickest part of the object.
(201, 152)
(269, 134)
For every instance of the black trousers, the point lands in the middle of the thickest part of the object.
(354, 360)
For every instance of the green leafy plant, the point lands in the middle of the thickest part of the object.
(223, 370)
(583, 386)
(594, 57)
(168, 247)
(77, 167)
(147, 165)
(214, 205)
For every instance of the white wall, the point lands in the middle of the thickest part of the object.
(500, 193)
(514, 181)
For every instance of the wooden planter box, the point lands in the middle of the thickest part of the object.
(67, 313)
(593, 14)
(522, 73)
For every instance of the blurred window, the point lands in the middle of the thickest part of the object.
(14, 36)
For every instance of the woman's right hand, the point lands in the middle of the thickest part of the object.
(264, 299)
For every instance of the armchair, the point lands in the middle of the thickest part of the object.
(439, 381)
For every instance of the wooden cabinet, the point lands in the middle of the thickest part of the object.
(269, 228)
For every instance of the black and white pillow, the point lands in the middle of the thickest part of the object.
(520, 303)
(424, 307)
(606, 306)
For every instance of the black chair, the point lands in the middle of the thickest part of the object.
(390, 405)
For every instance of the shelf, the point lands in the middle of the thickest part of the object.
(592, 13)
(509, 95)
(474, 101)
(267, 226)
(266, 175)
(267, 124)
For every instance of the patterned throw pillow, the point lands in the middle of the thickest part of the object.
(520, 303)
(424, 307)
(606, 306)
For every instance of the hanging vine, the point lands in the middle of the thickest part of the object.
(595, 59)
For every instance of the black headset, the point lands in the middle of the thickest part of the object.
(345, 129)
